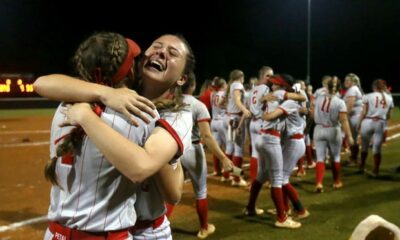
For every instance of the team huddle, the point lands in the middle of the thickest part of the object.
(128, 128)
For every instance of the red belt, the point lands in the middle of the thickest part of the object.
(297, 136)
(143, 224)
(271, 132)
(237, 114)
(324, 126)
(375, 118)
(65, 233)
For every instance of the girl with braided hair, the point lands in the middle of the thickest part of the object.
(376, 111)
(330, 113)
(133, 154)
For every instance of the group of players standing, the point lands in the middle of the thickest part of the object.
(117, 176)
(282, 112)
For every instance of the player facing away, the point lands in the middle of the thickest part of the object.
(217, 121)
(234, 110)
(329, 113)
(376, 111)
(163, 69)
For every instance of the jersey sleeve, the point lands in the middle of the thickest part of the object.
(289, 107)
(179, 125)
(342, 106)
(237, 86)
(201, 111)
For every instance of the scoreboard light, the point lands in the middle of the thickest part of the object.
(17, 85)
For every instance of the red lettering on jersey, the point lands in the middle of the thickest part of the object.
(67, 159)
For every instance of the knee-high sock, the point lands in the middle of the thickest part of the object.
(285, 200)
(309, 154)
(217, 167)
(227, 174)
(202, 212)
(300, 163)
(354, 152)
(320, 172)
(377, 161)
(170, 208)
(291, 192)
(237, 161)
(364, 156)
(277, 197)
(253, 168)
(336, 172)
(254, 192)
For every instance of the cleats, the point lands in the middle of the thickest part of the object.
(204, 233)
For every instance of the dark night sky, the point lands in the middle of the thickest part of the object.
(360, 36)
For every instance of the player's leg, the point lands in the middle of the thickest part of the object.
(321, 148)
(237, 158)
(366, 131)
(377, 141)
(335, 144)
(215, 125)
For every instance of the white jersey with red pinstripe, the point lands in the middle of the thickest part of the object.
(94, 196)
(256, 107)
(293, 139)
(327, 132)
(150, 203)
(373, 125)
(232, 107)
(355, 92)
(378, 103)
(269, 147)
(217, 121)
(194, 160)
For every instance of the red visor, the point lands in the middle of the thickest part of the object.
(278, 80)
(133, 51)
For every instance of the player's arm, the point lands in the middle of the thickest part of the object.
(135, 162)
(68, 89)
(295, 96)
(345, 125)
(362, 115)
(209, 140)
(170, 182)
(273, 115)
(349, 104)
(237, 94)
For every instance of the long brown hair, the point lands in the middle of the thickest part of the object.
(176, 104)
(97, 59)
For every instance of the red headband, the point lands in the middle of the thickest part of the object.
(133, 51)
(278, 80)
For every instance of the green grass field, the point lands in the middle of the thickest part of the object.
(334, 213)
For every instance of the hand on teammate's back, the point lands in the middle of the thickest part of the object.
(128, 102)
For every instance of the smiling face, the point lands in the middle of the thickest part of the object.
(164, 62)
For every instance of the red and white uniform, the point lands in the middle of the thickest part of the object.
(256, 108)
(217, 121)
(327, 132)
(150, 205)
(94, 196)
(233, 114)
(373, 125)
(354, 115)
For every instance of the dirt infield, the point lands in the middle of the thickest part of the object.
(24, 193)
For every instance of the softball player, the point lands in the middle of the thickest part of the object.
(329, 112)
(217, 121)
(353, 100)
(270, 159)
(376, 111)
(234, 110)
(194, 160)
(293, 147)
(256, 108)
(129, 158)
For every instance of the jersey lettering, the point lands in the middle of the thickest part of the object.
(328, 106)
(254, 98)
(215, 100)
(382, 102)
